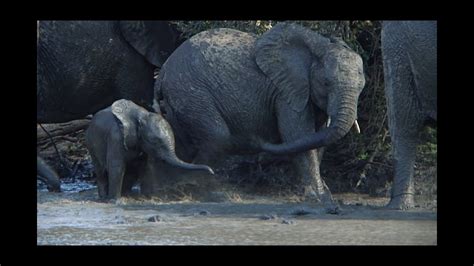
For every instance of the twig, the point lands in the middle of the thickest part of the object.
(76, 167)
(61, 129)
(52, 141)
(382, 164)
(381, 127)
(61, 160)
(67, 138)
(370, 161)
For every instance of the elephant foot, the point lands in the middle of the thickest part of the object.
(111, 201)
(54, 187)
(325, 198)
(401, 202)
(310, 195)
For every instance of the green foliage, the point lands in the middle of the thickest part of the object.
(428, 149)
(430, 135)
(363, 156)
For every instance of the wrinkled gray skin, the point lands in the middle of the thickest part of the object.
(46, 174)
(229, 92)
(409, 50)
(121, 138)
(84, 66)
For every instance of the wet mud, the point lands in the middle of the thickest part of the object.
(76, 217)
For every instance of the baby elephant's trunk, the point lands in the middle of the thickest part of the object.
(175, 161)
(158, 139)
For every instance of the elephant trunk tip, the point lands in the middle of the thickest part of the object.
(208, 169)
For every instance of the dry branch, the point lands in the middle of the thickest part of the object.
(60, 129)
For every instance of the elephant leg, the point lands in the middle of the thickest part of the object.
(295, 125)
(402, 196)
(148, 179)
(129, 180)
(211, 151)
(135, 170)
(116, 170)
(405, 123)
(404, 141)
(208, 156)
(102, 184)
(211, 154)
(213, 138)
(101, 177)
(308, 167)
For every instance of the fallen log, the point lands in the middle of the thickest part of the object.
(60, 129)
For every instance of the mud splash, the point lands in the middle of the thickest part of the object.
(79, 219)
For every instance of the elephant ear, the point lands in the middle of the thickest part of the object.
(285, 54)
(125, 112)
(155, 40)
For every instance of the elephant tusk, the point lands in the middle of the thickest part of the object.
(328, 122)
(356, 125)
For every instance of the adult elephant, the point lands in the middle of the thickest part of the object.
(409, 50)
(84, 66)
(227, 91)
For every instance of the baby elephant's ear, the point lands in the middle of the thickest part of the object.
(125, 112)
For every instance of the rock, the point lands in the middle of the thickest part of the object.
(204, 212)
(333, 210)
(268, 217)
(300, 211)
(119, 219)
(155, 219)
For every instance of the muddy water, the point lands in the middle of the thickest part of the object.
(77, 218)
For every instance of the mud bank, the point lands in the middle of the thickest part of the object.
(79, 219)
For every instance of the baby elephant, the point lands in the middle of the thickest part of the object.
(121, 138)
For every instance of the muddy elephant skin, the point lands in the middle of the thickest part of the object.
(84, 66)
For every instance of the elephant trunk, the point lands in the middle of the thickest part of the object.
(48, 175)
(342, 121)
(173, 160)
(158, 134)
